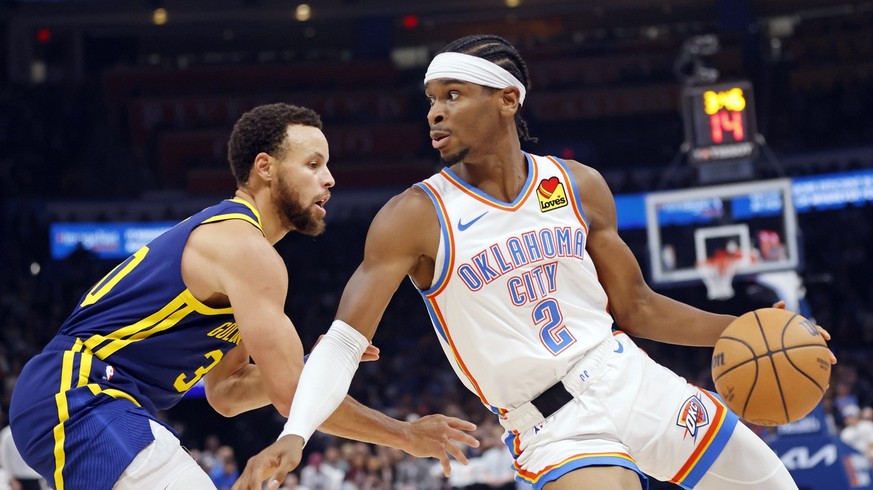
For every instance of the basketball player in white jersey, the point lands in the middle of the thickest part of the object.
(521, 267)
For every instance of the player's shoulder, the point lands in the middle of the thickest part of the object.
(411, 203)
(585, 175)
(230, 238)
(409, 215)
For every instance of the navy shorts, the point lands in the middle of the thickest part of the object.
(70, 424)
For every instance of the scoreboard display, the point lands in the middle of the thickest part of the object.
(719, 121)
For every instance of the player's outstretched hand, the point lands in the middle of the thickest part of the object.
(371, 353)
(824, 333)
(273, 463)
(439, 436)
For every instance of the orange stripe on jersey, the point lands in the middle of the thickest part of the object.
(573, 193)
(525, 193)
(450, 247)
(533, 477)
(720, 416)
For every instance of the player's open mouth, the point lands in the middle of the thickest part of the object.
(439, 138)
(320, 204)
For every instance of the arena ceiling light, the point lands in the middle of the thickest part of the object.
(303, 12)
(159, 16)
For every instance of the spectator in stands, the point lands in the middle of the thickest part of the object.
(225, 471)
(209, 456)
(333, 458)
(356, 475)
(414, 474)
(292, 483)
(495, 463)
(318, 476)
(857, 432)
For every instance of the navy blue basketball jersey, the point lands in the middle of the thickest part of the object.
(135, 343)
(142, 320)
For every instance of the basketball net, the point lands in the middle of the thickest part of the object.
(717, 274)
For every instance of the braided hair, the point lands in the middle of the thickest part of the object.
(500, 52)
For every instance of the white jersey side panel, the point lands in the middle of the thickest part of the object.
(515, 299)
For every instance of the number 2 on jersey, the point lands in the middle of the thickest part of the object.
(554, 334)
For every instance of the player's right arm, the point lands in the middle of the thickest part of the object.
(231, 262)
(398, 239)
(402, 240)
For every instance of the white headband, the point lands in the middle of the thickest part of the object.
(472, 69)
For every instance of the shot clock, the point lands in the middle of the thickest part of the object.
(719, 122)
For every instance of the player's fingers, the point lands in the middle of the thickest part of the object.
(463, 438)
(371, 353)
(273, 484)
(460, 424)
(827, 336)
(456, 452)
(246, 482)
(779, 304)
(278, 478)
(447, 467)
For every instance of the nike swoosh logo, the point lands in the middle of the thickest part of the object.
(464, 226)
(619, 349)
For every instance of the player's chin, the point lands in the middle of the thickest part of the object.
(312, 226)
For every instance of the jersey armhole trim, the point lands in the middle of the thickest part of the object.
(574, 190)
(442, 278)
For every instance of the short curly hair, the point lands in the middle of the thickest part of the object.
(263, 129)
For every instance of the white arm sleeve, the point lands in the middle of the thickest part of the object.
(325, 379)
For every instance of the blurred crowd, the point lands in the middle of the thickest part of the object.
(347, 465)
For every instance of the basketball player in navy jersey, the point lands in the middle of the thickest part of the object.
(196, 303)
(523, 272)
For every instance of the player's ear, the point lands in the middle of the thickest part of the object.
(262, 165)
(509, 98)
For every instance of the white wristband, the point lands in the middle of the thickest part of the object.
(325, 379)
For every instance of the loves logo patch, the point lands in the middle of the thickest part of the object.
(551, 194)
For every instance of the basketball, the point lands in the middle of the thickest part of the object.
(771, 366)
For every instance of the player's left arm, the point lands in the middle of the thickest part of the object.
(638, 309)
(235, 385)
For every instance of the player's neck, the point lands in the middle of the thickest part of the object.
(269, 221)
(501, 176)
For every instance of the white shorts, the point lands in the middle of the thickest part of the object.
(163, 464)
(627, 411)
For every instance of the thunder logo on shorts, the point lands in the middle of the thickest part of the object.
(692, 416)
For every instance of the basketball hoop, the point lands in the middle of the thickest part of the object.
(718, 273)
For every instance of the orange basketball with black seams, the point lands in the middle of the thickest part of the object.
(771, 366)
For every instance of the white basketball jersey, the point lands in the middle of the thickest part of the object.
(515, 299)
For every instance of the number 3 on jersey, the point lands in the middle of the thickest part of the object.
(553, 333)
